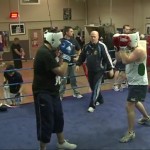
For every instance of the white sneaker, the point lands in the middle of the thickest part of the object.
(115, 87)
(97, 103)
(91, 109)
(144, 121)
(66, 145)
(127, 137)
(77, 95)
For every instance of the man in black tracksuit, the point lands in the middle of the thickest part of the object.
(98, 60)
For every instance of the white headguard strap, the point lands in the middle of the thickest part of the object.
(53, 38)
(134, 37)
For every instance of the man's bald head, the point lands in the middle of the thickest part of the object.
(94, 37)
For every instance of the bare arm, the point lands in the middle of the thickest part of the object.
(117, 56)
(135, 55)
(17, 52)
(5, 80)
(21, 88)
(61, 70)
(22, 52)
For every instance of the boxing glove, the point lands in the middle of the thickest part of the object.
(121, 41)
(124, 41)
(115, 41)
(67, 49)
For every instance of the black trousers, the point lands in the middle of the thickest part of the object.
(18, 64)
(95, 81)
(49, 115)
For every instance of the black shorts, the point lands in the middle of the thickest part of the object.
(120, 66)
(49, 115)
(137, 93)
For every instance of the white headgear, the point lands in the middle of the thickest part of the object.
(134, 37)
(53, 38)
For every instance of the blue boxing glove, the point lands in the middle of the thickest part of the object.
(67, 49)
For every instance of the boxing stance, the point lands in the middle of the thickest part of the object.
(98, 60)
(134, 56)
(48, 107)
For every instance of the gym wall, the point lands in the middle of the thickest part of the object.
(84, 12)
(133, 12)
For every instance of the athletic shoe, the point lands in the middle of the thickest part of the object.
(127, 137)
(90, 109)
(116, 88)
(66, 145)
(144, 121)
(97, 103)
(124, 85)
(77, 95)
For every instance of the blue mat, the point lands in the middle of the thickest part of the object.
(100, 130)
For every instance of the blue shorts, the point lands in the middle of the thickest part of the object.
(137, 93)
(49, 115)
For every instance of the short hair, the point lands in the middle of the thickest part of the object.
(66, 29)
(126, 25)
(10, 68)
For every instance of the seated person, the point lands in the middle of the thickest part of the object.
(12, 85)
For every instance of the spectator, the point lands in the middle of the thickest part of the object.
(18, 53)
(68, 35)
(12, 85)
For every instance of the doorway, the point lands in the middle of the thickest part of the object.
(35, 41)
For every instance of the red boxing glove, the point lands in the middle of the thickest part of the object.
(116, 41)
(124, 41)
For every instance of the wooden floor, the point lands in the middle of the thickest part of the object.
(27, 74)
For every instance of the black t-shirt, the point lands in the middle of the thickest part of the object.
(81, 43)
(44, 78)
(13, 47)
(16, 78)
(75, 43)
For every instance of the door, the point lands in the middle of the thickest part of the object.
(35, 41)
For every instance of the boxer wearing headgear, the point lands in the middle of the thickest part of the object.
(124, 41)
(48, 107)
(53, 38)
(137, 78)
(121, 41)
